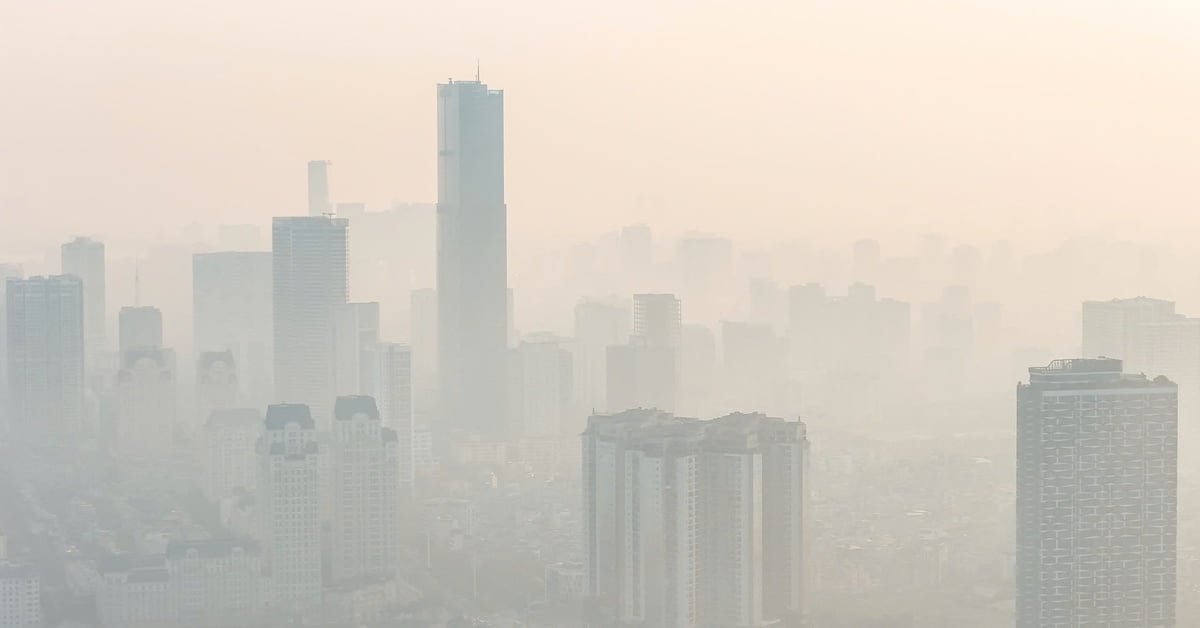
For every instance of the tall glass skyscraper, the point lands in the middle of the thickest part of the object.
(310, 280)
(472, 258)
(1096, 497)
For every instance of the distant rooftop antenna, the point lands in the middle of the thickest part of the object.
(477, 80)
(137, 282)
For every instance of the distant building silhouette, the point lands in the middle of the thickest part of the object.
(84, 258)
(318, 188)
(231, 311)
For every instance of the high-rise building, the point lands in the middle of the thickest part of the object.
(310, 281)
(355, 343)
(84, 258)
(146, 421)
(141, 328)
(231, 311)
(472, 274)
(45, 354)
(7, 271)
(395, 397)
(540, 395)
(365, 468)
(640, 376)
(657, 320)
(694, 523)
(289, 498)
(318, 188)
(217, 583)
(135, 591)
(1096, 497)
(1113, 329)
(228, 443)
(20, 596)
(216, 384)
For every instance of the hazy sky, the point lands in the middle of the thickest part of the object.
(779, 118)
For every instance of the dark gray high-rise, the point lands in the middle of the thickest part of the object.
(1096, 497)
(311, 279)
(472, 280)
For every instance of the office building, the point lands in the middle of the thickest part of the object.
(318, 188)
(694, 523)
(217, 583)
(231, 311)
(1096, 497)
(140, 328)
(45, 354)
(540, 393)
(395, 397)
(146, 419)
(365, 468)
(20, 596)
(355, 343)
(289, 498)
(228, 443)
(310, 280)
(472, 273)
(84, 258)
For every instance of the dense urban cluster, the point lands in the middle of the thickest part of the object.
(654, 433)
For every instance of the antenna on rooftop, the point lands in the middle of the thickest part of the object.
(477, 80)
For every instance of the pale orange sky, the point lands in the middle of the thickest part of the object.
(756, 118)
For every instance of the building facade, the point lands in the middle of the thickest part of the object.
(1096, 497)
(472, 273)
(365, 469)
(693, 523)
(289, 498)
(45, 354)
(310, 279)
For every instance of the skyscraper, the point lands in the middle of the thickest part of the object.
(472, 283)
(231, 311)
(365, 490)
(310, 279)
(84, 258)
(1096, 497)
(227, 444)
(45, 354)
(318, 188)
(289, 496)
(598, 326)
(694, 523)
